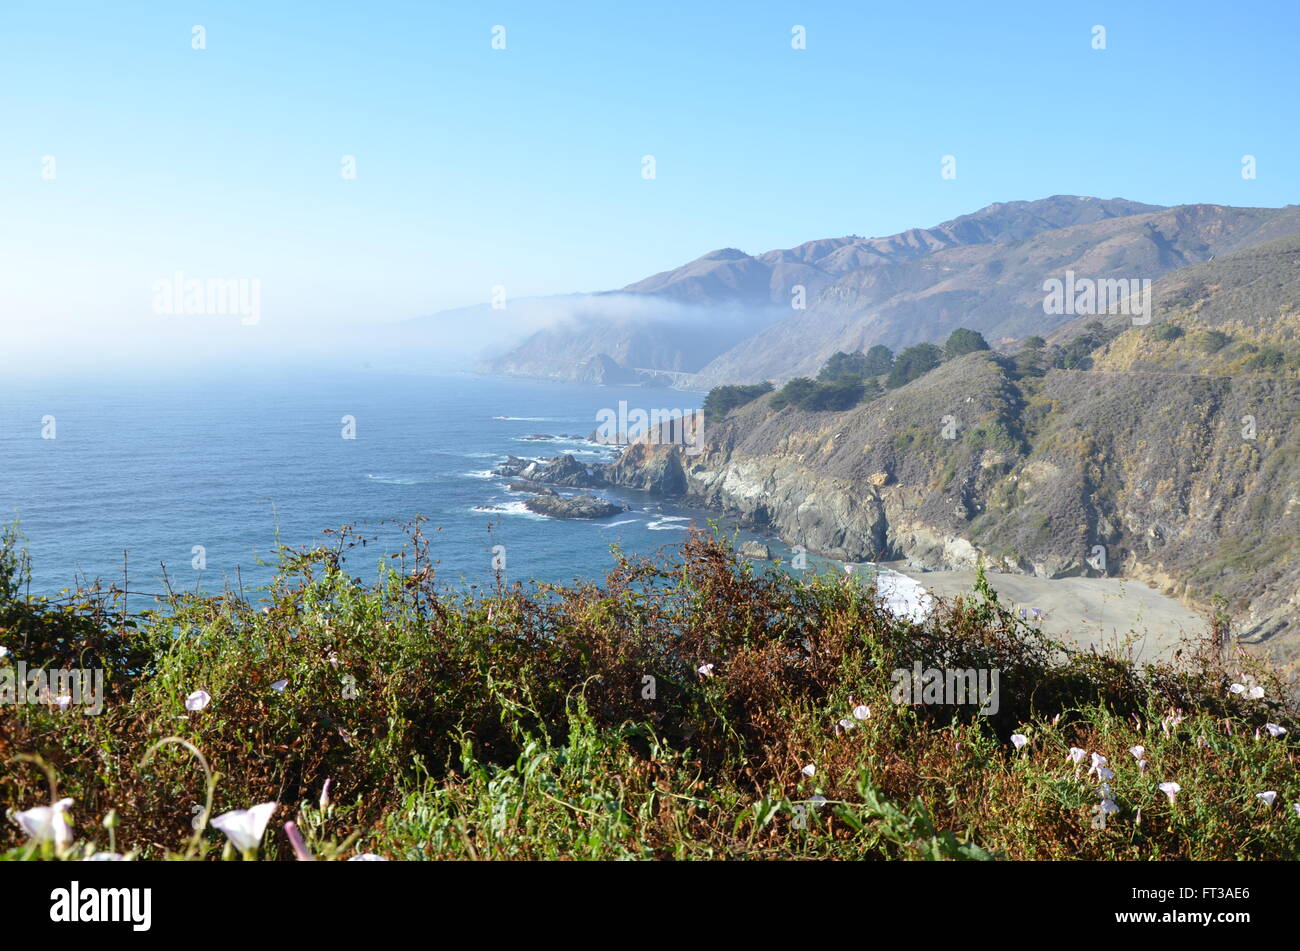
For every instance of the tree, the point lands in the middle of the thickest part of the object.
(850, 367)
(794, 392)
(879, 360)
(962, 341)
(723, 399)
(912, 363)
(1034, 343)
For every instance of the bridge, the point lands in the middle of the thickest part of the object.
(678, 377)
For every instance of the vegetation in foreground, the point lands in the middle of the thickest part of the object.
(695, 708)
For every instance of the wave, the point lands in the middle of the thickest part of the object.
(482, 474)
(663, 524)
(395, 480)
(507, 508)
(626, 521)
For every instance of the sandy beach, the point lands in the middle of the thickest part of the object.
(1112, 614)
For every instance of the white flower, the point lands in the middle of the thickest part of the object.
(1098, 761)
(367, 857)
(279, 686)
(1137, 751)
(1018, 740)
(104, 857)
(1268, 797)
(1274, 729)
(4, 652)
(1142, 767)
(705, 670)
(1076, 755)
(1104, 791)
(809, 770)
(197, 700)
(1170, 790)
(1105, 773)
(1255, 693)
(325, 795)
(846, 724)
(1237, 688)
(861, 712)
(47, 823)
(1296, 807)
(1108, 805)
(244, 827)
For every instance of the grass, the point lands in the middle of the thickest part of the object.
(554, 722)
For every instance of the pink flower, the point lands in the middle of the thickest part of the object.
(1170, 790)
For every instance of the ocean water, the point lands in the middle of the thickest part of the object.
(157, 468)
(148, 469)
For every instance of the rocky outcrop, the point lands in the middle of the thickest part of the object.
(585, 505)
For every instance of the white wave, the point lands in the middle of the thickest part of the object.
(626, 521)
(903, 597)
(482, 474)
(666, 523)
(507, 508)
(393, 480)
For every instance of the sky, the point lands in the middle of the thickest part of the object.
(128, 155)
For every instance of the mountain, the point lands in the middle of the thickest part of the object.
(730, 317)
(1169, 453)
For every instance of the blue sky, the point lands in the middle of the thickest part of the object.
(522, 166)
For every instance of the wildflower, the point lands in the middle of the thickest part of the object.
(244, 827)
(4, 652)
(1296, 807)
(861, 712)
(325, 795)
(705, 670)
(1137, 751)
(1105, 773)
(1109, 806)
(1076, 755)
(1142, 767)
(279, 686)
(47, 823)
(300, 850)
(1171, 721)
(1267, 797)
(845, 725)
(1018, 740)
(197, 700)
(1255, 693)
(1170, 790)
(1104, 791)
(367, 857)
(809, 770)
(1056, 719)
(1098, 761)
(1274, 730)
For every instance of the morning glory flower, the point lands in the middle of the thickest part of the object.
(197, 700)
(244, 827)
(325, 795)
(367, 857)
(861, 712)
(1274, 730)
(1170, 790)
(1142, 767)
(1255, 693)
(1018, 740)
(300, 850)
(1109, 806)
(845, 725)
(1267, 797)
(1296, 807)
(4, 652)
(705, 670)
(279, 686)
(1098, 761)
(1076, 755)
(47, 823)
(1137, 751)
(809, 770)
(1105, 773)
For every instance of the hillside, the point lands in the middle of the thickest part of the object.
(1172, 447)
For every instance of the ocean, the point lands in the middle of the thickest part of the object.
(202, 478)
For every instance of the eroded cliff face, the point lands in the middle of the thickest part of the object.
(1145, 475)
